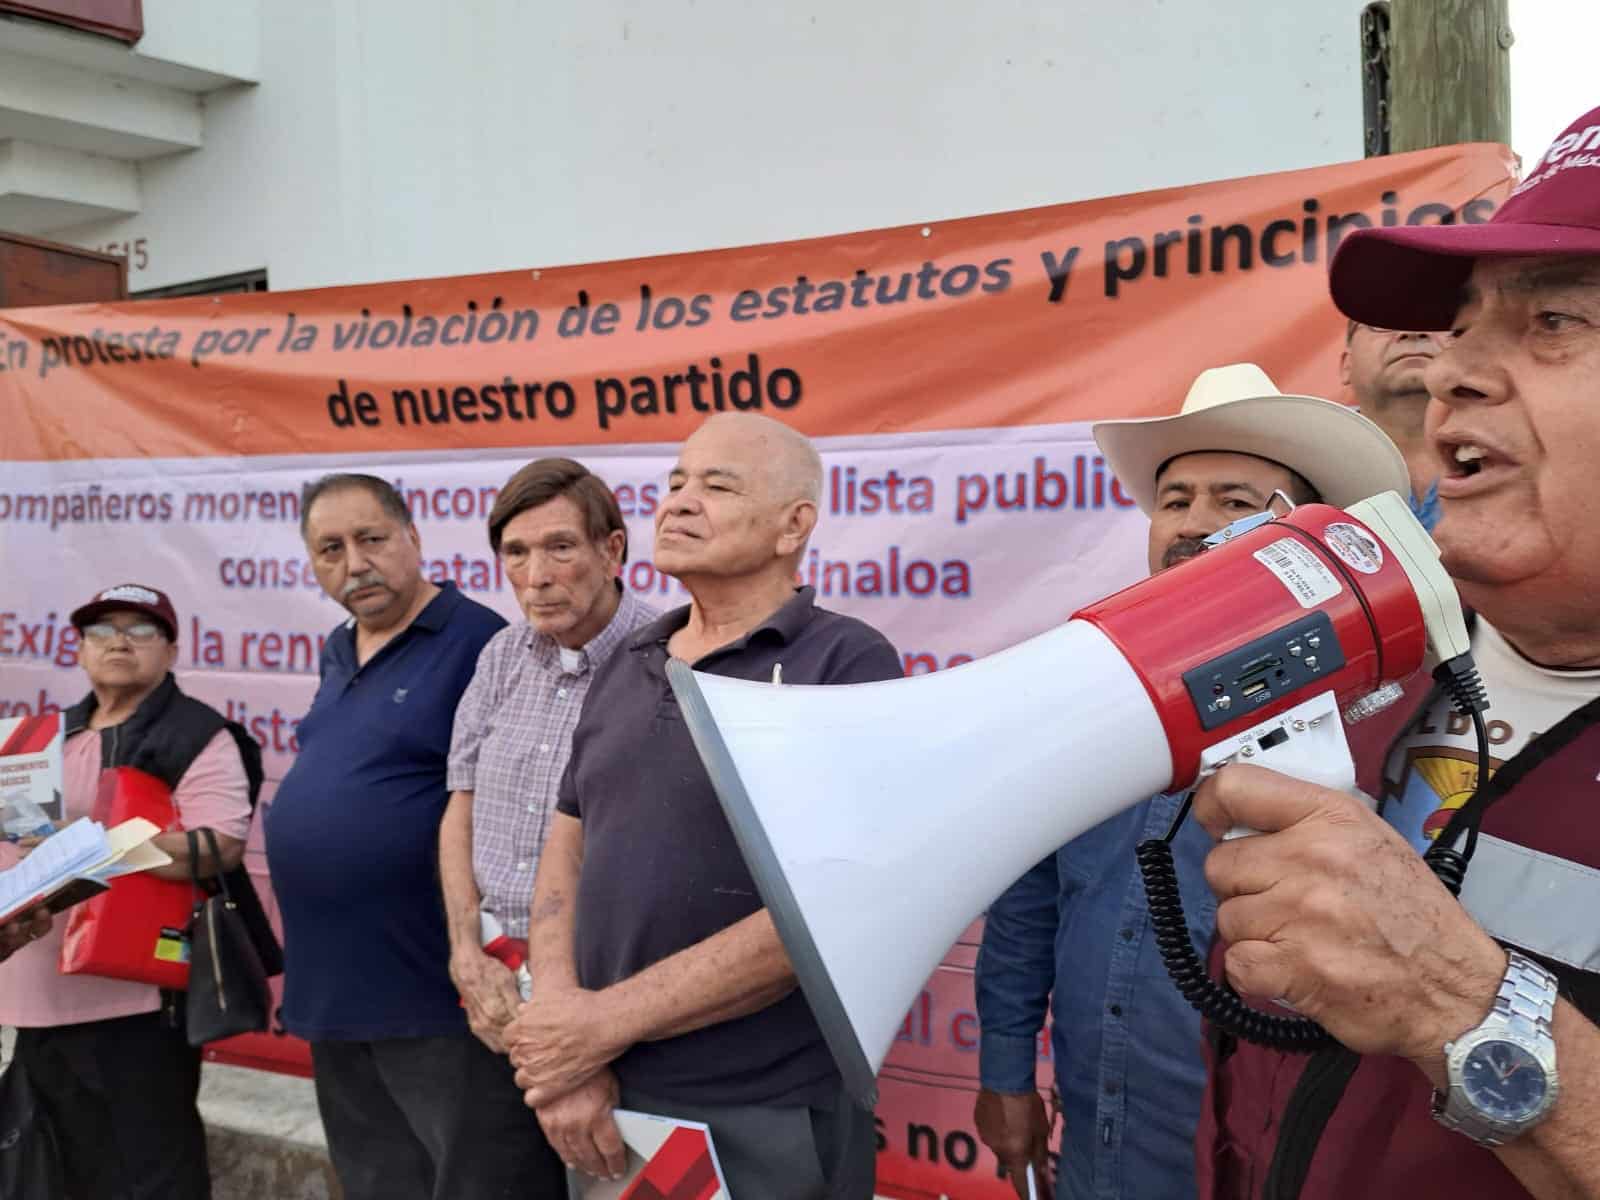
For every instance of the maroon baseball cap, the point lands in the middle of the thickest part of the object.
(129, 597)
(1411, 276)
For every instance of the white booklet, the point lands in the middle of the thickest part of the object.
(78, 862)
(668, 1159)
(30, 776)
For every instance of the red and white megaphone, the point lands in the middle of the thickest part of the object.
(879, 819)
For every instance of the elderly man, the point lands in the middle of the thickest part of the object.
(1383, 369)
(112, 1066)
(1459, 1015)
(659, 978)
(559, 535)
(351, 838)
(1126, 1043)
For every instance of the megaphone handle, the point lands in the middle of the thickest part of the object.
(1307, 742)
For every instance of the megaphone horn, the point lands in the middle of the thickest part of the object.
(879, 819)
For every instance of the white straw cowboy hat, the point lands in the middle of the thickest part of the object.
(1237, 409)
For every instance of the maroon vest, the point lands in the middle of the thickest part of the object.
(1266, 1132)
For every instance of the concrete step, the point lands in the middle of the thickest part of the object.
(264, 1136)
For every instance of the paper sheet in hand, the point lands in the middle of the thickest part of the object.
(668, 1159)
(78, 862)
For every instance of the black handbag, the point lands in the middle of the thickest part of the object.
(228, 991)
(243, 890)
(238, 879)
(30, 1156)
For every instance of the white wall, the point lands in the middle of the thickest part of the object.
(399, 138)
(1552, 70)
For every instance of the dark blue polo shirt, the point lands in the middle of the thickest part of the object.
(352, 834)
(661, 870)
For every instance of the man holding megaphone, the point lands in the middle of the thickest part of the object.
(1126, 1043)
(1479, 1061)
(1260, 652)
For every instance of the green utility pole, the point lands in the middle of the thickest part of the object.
(1449, 74)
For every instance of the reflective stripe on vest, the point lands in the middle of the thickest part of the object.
(1535, 901)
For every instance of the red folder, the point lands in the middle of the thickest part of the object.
(138, 930)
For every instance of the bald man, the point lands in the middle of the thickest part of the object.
(660, 983)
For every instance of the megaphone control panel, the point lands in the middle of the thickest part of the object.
(1252, 676)
(1307, 603)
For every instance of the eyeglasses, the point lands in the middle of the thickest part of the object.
(140, 634)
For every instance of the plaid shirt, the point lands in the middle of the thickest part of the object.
(509, 746)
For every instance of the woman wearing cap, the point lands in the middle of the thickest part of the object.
(109, 1061)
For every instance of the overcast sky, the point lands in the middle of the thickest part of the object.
(1553, 76)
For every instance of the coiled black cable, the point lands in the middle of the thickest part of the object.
(1459, 677)
(1219, 1003)
(1216, 1002)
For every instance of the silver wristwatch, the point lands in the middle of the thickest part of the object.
(1502, 1072)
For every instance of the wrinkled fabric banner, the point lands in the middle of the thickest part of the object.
(948, 372)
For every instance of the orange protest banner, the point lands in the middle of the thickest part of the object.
(1046, 315)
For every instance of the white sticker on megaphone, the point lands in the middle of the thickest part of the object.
(1357, 547)
(1299, 570)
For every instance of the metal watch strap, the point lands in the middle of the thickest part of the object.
(1523, 1008)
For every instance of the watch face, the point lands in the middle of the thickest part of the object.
(1503, 1081)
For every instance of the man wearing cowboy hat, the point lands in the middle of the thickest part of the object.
(1472, 1065)
(1126, 1043)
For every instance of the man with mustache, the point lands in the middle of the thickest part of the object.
(1126, 1043)
(351, 841)
(1473, 1058)
(1383, 368)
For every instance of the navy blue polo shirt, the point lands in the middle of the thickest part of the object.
(661, 870)
(352, 834)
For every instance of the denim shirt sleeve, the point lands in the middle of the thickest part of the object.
(1015, 972)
